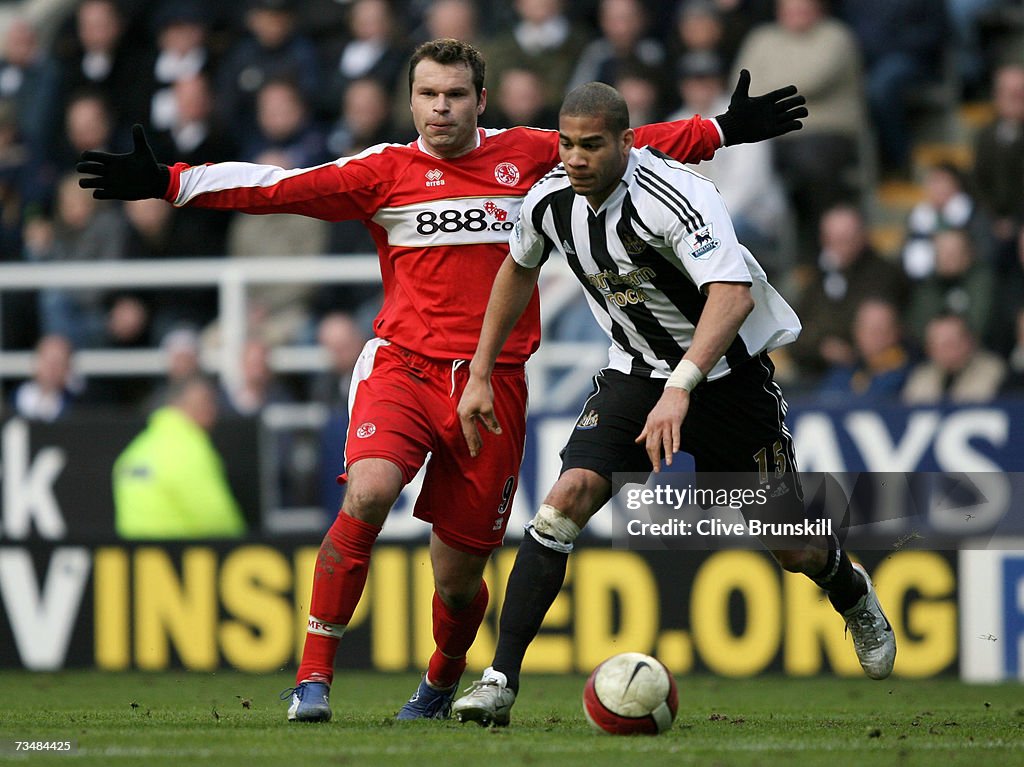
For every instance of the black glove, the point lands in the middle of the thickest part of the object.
(755, 118)
(135, 175)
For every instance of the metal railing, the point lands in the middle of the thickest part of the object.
(560, 372)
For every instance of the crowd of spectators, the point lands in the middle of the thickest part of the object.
(295, 84)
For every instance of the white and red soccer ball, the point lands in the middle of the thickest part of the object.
(631, 694)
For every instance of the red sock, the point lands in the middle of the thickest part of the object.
(454, 632)
(338, 581)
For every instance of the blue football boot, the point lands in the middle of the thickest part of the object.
(310, 702)
(429, 702)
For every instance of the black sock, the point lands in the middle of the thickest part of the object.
(841, 582)
(533, 584)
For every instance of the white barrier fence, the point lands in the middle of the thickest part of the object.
(560, 372)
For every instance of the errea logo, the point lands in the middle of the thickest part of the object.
(434, 177)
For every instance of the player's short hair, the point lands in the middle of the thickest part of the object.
(597, 100)
(448, 51)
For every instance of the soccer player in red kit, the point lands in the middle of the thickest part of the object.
(440, 210)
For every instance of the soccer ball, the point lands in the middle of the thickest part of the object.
(631, 694)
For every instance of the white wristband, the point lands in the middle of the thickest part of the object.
(685, 376)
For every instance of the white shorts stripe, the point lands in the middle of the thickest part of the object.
(360, 372)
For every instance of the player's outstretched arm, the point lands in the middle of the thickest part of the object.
(135, 175)
(727, 307)
(748, 119)
(510, 294)
(756, 118)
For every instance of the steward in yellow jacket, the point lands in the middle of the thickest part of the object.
(170, 482)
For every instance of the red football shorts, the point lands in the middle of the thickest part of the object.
(402, 406)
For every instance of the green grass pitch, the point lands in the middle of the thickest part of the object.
(196, 719)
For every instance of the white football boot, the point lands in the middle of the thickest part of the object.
(873, 637)
(487, 701)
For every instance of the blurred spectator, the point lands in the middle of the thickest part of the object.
(22, 182)
(181, 54)
(88, 124)
(364, 119)
(102, 58)
(342, 339)
(946, 205)
(902, 46)
(195, 137)
(170, 481)
(30, 79)
(154, 233)
(623, 43)
(737, 19)
(960, 284)
(1015, 382)
(744, 174)
(819, 54)
(457, 19)
(1008, 301)
(956, 369)
(543, 39)
(971, 63)
(286, 134)
(639, 89)
(519, 100)
(373, 49)
(882, 360)
(128, 321)
(50, 393)
(272, 50)
(181, 353)
(83, 230)
(849, 272)
(193, 131)
(999, 158)
(257, 386)
(256, 389)
(698, 29)
(277, 312)
(288, 139)
(19, 184)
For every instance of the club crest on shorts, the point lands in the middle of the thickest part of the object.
(588, 421)
(366, 430)
(702, 242)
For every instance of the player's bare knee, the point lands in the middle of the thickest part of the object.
(553, 529)
(457, 593)
(368, 502)
(578, 494)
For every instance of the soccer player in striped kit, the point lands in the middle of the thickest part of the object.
(691, 318)
(440, 210)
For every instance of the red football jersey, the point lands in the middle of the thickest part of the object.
(441, 226)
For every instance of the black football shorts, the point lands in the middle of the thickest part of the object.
(734, 429)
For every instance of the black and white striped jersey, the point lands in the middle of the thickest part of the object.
(644, 258)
